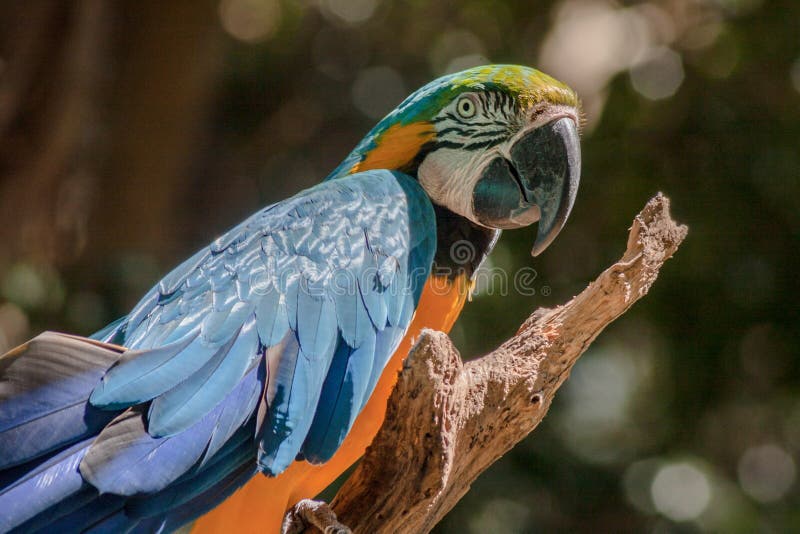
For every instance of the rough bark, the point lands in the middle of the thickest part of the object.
(448, 421)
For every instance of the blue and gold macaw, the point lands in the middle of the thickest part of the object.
(274, 349)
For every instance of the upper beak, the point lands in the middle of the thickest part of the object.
(548, 160)
(540, 182)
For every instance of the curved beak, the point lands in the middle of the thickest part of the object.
(548, 160)
(539, 182)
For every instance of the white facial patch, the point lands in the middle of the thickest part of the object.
(449, 174)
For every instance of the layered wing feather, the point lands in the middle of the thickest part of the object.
(306, 288)
(258, 350)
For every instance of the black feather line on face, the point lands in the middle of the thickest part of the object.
(467, 146)
(490, 133)
(461, 131)
(511, 105)
(483, 105)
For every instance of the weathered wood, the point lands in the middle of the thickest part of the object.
(448, 421)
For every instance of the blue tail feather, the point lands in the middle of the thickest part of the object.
(236, 453)
(93, 516)
(41, 487)
(44, 389)
(201, 504)
(125, 459)
(43, 520)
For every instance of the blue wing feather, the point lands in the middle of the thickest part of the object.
(371, 290)
(91, 517)
(141, 375)
(299, 383)
(385, 344)
(316, 324)
(341, 399)
(112, 333)
(66, 507)
(239, 409)
(317, 289)
(352, 315)
(176, 410)
(218, 325)
(198, 505)
(272, 321)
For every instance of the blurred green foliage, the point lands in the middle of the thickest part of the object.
(685, 414)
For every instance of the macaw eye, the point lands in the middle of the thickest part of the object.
(465, 107)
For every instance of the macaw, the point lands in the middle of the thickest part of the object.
(273, 350)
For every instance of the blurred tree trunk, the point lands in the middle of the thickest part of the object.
(167, 68)
(101, 104)
(51, 57)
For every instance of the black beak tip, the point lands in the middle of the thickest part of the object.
(539, 247)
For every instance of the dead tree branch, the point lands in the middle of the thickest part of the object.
(448, 421)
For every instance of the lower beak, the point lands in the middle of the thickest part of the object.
(538, 183)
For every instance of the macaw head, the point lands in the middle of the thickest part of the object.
(497, 145)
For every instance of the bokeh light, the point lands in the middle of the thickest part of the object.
(250, 20)
(766, 472)
(33, 286)
(794, 74)
(721, 58)
(659, 76)
(349, 12)
(597, 421)
(500, 515)
(23, 285)
(14, 326)
(681, 491)
(377, 90)
(591, 41)
(636, 483)
(455, 50)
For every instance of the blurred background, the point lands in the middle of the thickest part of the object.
(133, 132)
